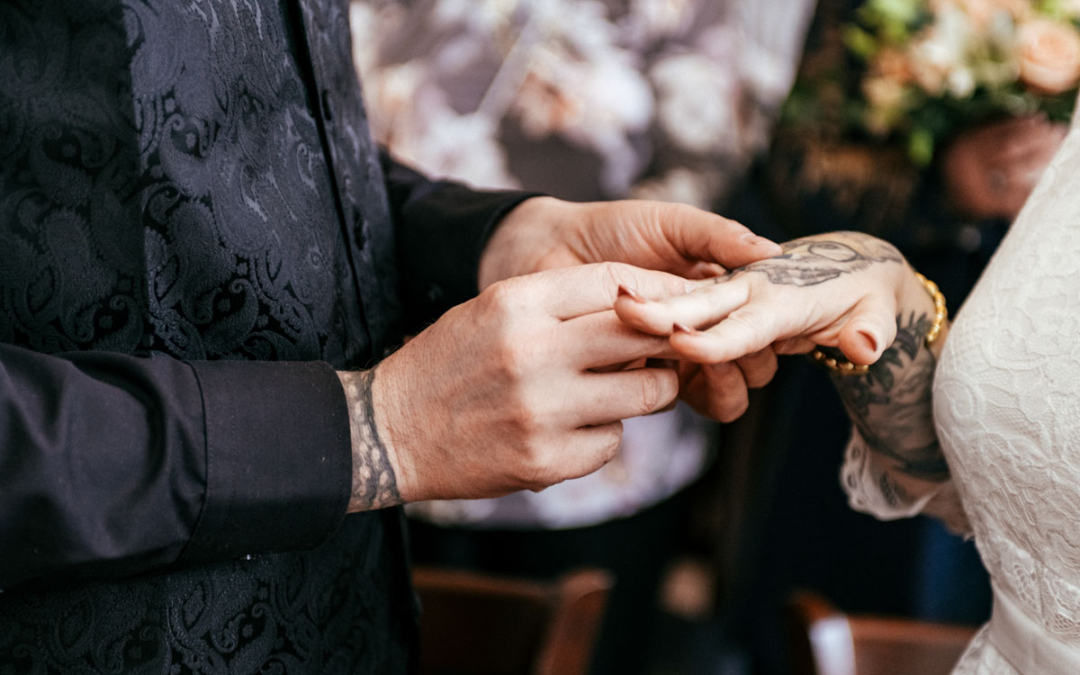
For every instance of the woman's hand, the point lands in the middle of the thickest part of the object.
(844, 289)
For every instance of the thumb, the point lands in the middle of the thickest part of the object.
(575, 291)
(870, 330)
(700, 235)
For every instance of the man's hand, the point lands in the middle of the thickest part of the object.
(544, 233)
(504, 391)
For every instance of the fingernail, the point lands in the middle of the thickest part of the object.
(755, 240)
(632, 294)
(871, 340)
(682, 328)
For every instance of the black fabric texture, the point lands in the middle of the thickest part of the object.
(432, 281)
(293, 492)
(189, 195)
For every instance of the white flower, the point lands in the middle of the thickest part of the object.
(649, 21)
(697, 103)
(483, 16)
(463, 147)
(942, 48)
(580, 26)
(596, 105)
(960, 82)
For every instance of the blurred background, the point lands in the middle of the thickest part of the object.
(925, 122)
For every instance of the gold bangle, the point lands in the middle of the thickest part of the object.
(941, 314)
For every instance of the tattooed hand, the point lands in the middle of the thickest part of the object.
(846, 290)
(837, 290)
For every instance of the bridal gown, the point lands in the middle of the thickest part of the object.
(1007, 410)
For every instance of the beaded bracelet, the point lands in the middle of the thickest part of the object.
(844, 367)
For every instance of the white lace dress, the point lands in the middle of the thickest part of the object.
(1007, 409)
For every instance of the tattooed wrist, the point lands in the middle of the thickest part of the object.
(891, 404)
(374, 481)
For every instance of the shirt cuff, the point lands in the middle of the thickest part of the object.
(278, 458)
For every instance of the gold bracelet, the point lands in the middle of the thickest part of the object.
(844, 367)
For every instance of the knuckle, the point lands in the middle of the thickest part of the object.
(759, 369)
(612, 274)
(509, 360)
(525, 420)
(537, 471)
(516, 354)
(507, 299)
(654, 391)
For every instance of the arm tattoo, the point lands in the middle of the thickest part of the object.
(374, 483)
(891, 404)
(814, 260)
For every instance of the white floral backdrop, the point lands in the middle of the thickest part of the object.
(672, 97)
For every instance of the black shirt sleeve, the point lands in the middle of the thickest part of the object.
(112, 465)
(442, 228)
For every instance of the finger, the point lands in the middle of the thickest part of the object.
(575, 291)
(702, 307)
(745, 331)
(759, 368)
(704, 270)
(602, 398)
(598, 340)
(584, 451)
(700, 235)
(870, 329)
(625, 365)
(796, 345)
(718, 391)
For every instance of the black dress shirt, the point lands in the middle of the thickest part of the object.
(195, 232)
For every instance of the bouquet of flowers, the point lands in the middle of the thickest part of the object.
(926, 69)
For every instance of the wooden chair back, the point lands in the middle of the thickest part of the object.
(825, 641)
(476, 624)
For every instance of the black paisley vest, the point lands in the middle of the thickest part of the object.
(197, 178)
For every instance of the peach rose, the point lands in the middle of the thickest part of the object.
(1049, 56)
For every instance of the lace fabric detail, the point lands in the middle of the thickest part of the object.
(981, 658)
(1007, 411)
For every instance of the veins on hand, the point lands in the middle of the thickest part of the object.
(814, 260)
(374, 482)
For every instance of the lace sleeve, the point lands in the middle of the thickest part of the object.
(874, 486)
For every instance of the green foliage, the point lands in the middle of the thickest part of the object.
(831, 102)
